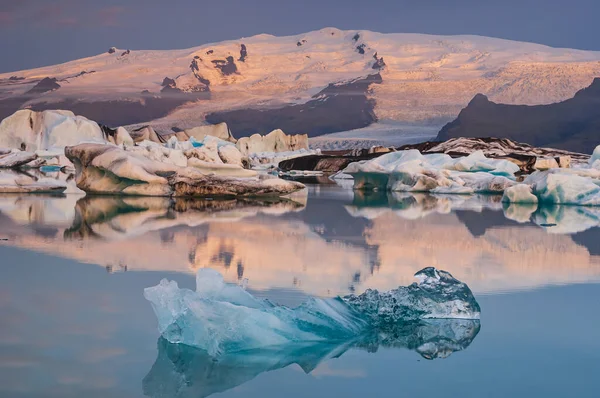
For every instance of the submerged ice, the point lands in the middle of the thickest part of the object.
(222, 318)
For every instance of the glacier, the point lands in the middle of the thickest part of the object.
(222, 318)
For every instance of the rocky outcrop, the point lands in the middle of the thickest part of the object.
(573, 124)
(226, 66)
(324, 163)
(31, 131)
(111, 170)
(45, 85)
(275, 141)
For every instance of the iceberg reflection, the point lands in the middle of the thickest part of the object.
(184, 371)
(333, 242)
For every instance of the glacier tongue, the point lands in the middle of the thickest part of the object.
(222, 318)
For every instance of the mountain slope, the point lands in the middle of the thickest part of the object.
(425, 80)
(573, 124)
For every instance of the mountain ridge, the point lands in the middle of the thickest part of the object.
(425, 79)
(572, 124)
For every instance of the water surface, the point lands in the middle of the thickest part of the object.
(75, 323)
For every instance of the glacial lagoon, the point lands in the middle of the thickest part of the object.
(75, 321)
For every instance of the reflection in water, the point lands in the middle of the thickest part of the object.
(183, 371)
(332, 242)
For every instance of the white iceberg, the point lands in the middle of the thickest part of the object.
(519, 193)
(111, 170)
(13, 182)
(30, 130)
(410, 171)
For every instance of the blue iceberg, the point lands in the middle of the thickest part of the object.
(222, 318)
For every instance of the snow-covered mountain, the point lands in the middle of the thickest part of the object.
(320, 82)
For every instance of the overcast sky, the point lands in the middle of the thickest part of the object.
(44, 32)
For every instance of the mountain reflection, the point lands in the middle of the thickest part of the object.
(183, 371)
(331, 242)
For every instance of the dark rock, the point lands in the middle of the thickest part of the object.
(168, 82)
(227, 66)
(83, 72)
(126, 53)
(379, 63)
(361, 48)
(45, 85)
(324, 163)
(195, 67)
(243, 53)
(301, 42)
(16, 78)
(356, 37)
(573, 124)
(209, 52)
(112, 50)
(338, 107)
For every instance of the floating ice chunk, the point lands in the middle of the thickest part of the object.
(564, 188)
(12, 182)
(482, 182)
(595, 156)
(16, 159)
(410, 171)
(229, 154)
(110, 169)
(221, 318)
(520, 193)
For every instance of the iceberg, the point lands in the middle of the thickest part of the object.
(185, 371)
(108, 169)
(16, 159)
(552, 187)
(223, 318)
(411, 171)
(15, 182)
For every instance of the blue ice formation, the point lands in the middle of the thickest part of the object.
(223, 318)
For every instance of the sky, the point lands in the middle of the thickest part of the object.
(36, 33)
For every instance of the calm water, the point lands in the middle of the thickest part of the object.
(74, 322)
